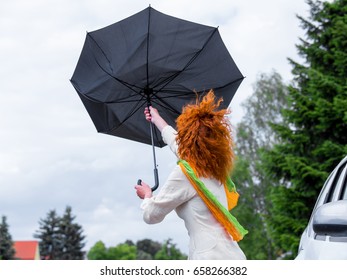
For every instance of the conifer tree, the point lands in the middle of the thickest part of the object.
(315, 139)
(60, 238)
(7, 251)
(71, 237)
(49, 237)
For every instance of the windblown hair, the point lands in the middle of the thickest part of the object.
(204, 138)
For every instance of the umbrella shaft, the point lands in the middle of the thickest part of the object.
(156, 178)
(153, 148)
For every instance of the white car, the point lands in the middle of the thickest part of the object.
(325, 237)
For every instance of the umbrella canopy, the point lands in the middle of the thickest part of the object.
(150, 58)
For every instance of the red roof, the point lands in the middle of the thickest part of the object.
(26, 250)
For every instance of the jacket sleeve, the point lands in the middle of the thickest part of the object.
(174, 192)
(169, 137)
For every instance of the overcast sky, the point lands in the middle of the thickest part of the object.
(50, 153)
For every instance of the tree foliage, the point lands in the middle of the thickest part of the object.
(71, 236)
(60, 238)
(7, 251)
(98, 252)
(254, 135)
(145, 249)
(49, 236)
(169, 251)
(313, 139)
(123, 251)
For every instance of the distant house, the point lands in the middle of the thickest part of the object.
(27, 250)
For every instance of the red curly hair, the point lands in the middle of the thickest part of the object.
(204, 138)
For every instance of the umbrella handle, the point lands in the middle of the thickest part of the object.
(156, 178)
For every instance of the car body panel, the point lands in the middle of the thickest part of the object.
(332, 245)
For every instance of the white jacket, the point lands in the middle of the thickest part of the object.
(208, 239)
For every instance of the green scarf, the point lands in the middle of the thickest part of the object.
(222, 215)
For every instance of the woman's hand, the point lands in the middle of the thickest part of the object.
(148, 114)
(152, 115)
(143, 191)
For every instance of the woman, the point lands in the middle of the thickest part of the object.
(203, 143)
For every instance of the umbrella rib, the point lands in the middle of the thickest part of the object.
(132, 112)
(96, 43)
(149, 21)
(129, 86)
(126, 99)
(233, 82)
(167, 105)
(154, 97)
(169, 79)
(161, 99)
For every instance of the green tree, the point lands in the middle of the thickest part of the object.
(122, 252)
(315, 139)
(97, 252)
(147, 248)
(49, 236)
(169, 251)
(254, 134)
(7, 251)
(72, 237)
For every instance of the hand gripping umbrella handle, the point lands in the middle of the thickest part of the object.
(156, 178)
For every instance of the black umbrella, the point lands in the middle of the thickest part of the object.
(150, 59)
